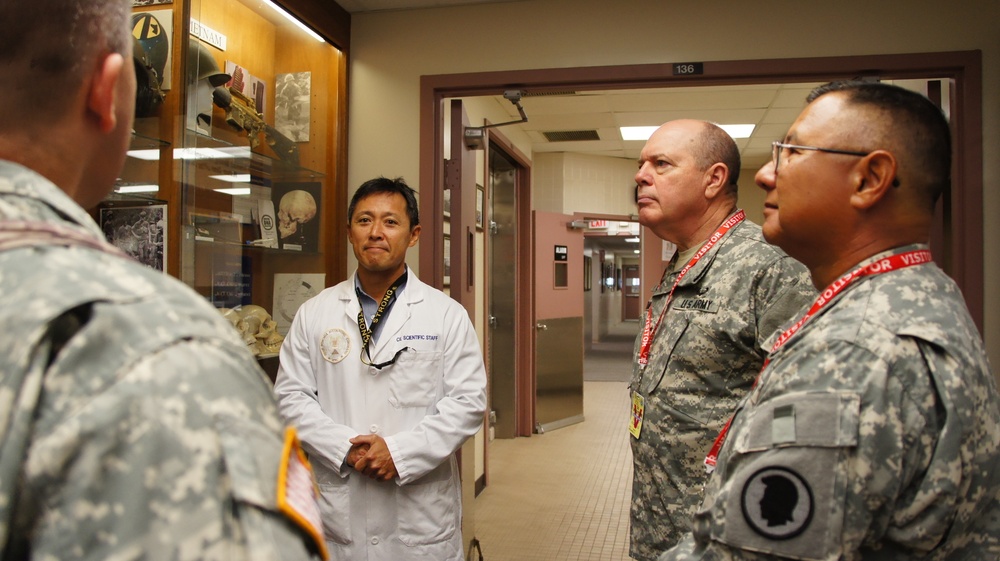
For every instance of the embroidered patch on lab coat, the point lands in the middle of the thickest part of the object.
(335, 345)
(777, 503)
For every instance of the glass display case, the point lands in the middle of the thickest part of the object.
(236, 172)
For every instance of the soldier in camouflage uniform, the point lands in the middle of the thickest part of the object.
(134, 424)
(874, 432)
(705, 349)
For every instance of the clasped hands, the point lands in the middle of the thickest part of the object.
(370, 456)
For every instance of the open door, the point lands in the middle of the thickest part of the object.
(558, 256)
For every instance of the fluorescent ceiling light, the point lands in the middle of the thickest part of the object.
(637, 133)
(643, 133)
(235, 191)
(295, 20)
(137, 189)
(738, 131)
(632, 240)
(235, 178)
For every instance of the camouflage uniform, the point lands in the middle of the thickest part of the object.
(873, 434)
(703, 359)
(134, 424)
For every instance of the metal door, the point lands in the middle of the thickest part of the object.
(502, 278)
(558, 257)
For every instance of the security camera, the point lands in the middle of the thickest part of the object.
(513, 95)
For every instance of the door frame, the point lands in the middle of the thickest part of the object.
(962, 218)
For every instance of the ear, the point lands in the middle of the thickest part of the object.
(874, 177)
(414, 235)
(716, 179)
(102, 95)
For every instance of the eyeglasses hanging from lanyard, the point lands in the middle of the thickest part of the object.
(367, 334)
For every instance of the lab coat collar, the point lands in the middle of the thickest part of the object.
(413, 291)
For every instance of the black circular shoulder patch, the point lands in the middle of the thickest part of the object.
(777, 503)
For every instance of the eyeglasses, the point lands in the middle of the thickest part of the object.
(777, 147)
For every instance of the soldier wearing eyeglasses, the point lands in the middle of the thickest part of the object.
(874, 432)
(384, 378)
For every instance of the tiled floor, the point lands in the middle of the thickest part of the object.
(564, 495)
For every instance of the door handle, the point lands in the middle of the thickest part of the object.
(541, 326)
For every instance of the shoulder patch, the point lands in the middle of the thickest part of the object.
(297, 492)
(777, 503)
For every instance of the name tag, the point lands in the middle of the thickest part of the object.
(697, 305)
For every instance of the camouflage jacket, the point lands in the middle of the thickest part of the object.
(134, 424)
(703, 359)
(874, 433)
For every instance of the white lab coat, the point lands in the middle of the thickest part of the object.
(424, 406)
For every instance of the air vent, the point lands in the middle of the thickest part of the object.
(571, 136)
(543, 94)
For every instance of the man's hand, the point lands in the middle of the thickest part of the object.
(356, 452)
(372, 457)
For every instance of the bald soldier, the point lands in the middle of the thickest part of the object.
(723, 295)
(873, 432)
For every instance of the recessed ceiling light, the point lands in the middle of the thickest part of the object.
(637, 133)
(738, 131)
(643, 133)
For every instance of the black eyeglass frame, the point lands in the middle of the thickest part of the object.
(777, 146)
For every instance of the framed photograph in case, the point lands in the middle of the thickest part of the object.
(139, 231)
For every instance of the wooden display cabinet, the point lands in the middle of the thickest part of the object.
(281, 142)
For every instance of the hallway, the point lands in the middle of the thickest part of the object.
(564, 495)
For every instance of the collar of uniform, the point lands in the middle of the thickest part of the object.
(16, 179)
(696, 273)
(887, 253)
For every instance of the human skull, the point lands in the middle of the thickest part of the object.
(231, 315)
(259, 330)
(294, 209)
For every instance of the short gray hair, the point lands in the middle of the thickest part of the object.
(47, 48)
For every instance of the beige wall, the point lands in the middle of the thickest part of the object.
(391, 50)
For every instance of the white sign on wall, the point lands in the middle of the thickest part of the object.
(208, 35)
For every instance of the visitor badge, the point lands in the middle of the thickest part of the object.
(635, 420)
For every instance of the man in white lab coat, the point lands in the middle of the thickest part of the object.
(384, 378)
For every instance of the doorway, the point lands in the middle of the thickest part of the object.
(961, 236)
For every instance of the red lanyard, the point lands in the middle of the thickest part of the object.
(891, 263)
(648, 332)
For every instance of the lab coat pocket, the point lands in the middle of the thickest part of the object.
(335, 506)
(428, 512)
(415, 378)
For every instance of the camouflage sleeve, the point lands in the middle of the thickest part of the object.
(825, 462)
(178, 456)
(782, 294)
